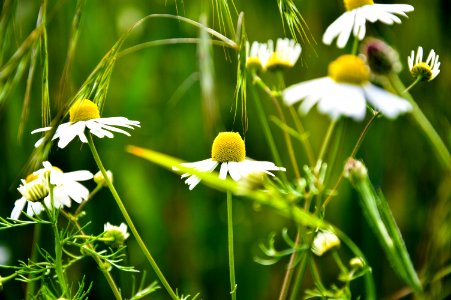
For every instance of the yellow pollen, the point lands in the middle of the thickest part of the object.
(422, 70)
(228, 146)
(275, 62)
(83, 110)
(31, 177)
(349, 69)
(353, 4)
(254, 62)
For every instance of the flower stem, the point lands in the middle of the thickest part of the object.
(233, 284)
(98, 260)
(300, 275)
(129, 221)
(412, 84)
(422, 121)
(329, 132)
(31, 285)
(290, 268)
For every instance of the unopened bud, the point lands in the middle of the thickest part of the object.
(100, 180)
(381, 58)
(355, 170)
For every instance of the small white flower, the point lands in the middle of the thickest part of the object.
(344, 92)
(285, 55)
(324, 241)
(85, 114)
(116, 235)
(35, 190)
(426, 70)
(257, 55)
(228, 150)
(354, 19)
(100, 180)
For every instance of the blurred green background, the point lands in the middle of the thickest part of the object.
(186, 230)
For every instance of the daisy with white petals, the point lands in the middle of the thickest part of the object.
(257, 55)
(356, 15)
(324, 241)
(115, 236)
(285, 55)
(424, 71)
(85, 114)
(35, 190)
(345, 92)
(229, 151)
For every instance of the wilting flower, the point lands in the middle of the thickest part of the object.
(356, 15)
(426, 71)
(345, 91)
(229, 151)
(85, 114)
(115, 236)
(324, 241)
(35, 190)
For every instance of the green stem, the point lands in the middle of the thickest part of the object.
(299, 276)
(233, 284)
(98, 260)
(290, 268)
(419, 78)
(355, 46)
(129, 221)
(326, 142)
(422, 121)
(266, 129)
(83, 204)
(306, 142)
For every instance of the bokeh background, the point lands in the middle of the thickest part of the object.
(159, 86)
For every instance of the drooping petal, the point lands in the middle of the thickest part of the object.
(387, 103)
(223, 171)
(234, 170)
(18, 207)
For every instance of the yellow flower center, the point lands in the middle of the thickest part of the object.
(353, 4)
(228, 146)
(34, 189)
(422, 70)
(276, 61)
(83, 110)
(349, 69)
(31, 177)
(254, 62)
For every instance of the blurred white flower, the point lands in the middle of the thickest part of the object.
(324, 241)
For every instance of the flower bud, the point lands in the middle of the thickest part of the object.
(100, 180)
(355, 170)
(381, 58)
(115, 235)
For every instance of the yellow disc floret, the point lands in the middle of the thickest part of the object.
(349, 69)
(34, 187)
(83, 110)
(352, 4)
(228, 146)
(422, 70)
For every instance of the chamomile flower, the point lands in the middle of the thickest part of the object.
(344, 92)
(257, 55)
(284, 56)
(115, 235)
(35, 190)
(356, 15)
(85, 114)
(229, 151)
(426, 71)
(324, 241)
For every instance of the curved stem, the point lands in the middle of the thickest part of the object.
(412, 84)
(129, 221)
(83, 204)
(423, 122)
(329, 132)
(290, 268)
(233, 285)
(306, 142)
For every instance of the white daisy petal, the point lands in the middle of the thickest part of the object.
(234, 170)
(390, 105)
(18, 207)
(223, 171)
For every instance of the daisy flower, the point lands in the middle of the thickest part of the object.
(426, 71)
(344, 91)
(35, 190)
(257, 55)
(85, 114)
(356, 15)
(115, 235)
(228, 150)
(324, 241)
(285, 55)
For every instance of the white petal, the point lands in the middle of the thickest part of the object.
(69, 133)
(78, 175)
(234, 170)
(223, 171)
(338, 26)
(346, 30)
(387, 103)
(41, 130)
(18, 207)
(299, 91)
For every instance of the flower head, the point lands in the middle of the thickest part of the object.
(35, 190)
(229, 151)
(324, 241)
(284, 56)
(100, 180)
(356, 15)
(382, 59)
(85, 114)
(345, 91)
(257, 55)
(426, 71)
(115, 235)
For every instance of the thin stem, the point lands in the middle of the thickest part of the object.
(306, 142)
(329, 132)
(98, 260)
(266, 89)
(299, 276)
(233, 285)
(339, 262)
(290, 268)
(355, 46)
(412, 84)
(266, 129)
(83, 204)
(129, 221)
(422, 121)
(353, 153)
